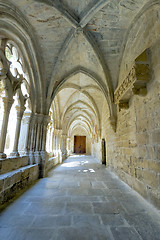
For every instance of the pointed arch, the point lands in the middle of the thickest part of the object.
(15, 27)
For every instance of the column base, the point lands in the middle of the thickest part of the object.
(44, 158)
(31, 158)
(24, 153)
(37, 157)
(3, 155)
(59, 156)
(14, 154)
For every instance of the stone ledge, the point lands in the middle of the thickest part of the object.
(12, 182)
(12, 163)
(52, 162)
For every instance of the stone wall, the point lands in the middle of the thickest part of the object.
(96, 150)
(133, 152)
(12, 182)
(12, 163)
(50, 163)
(16, 174)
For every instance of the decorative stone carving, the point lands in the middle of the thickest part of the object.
(134, 83)
(10, 86)
(124, 91)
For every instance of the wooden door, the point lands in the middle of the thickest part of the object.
(79, 144)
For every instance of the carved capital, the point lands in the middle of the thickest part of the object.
(20, 111)
(46, 120)
(27, 117)
(39, 118)
(7, 104)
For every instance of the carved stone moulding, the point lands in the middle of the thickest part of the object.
(134, 84)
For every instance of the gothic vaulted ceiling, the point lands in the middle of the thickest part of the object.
(80, 43)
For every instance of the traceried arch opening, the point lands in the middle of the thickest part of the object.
(18, 88)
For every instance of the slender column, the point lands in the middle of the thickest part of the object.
(64, 143)
(26, 145)
(41, 137)
(7, 107)
(32, 132)
(44, 137)
(68, 146)
(60, 146)
(37, 154)
(50, 139)
(42, 165)
(59, 140)
(45, 123)
(34, 137)
(54, 142)
(39, 121)
(20, 111)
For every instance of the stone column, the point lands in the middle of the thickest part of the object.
(46, 120)
(37, 154)
(62, 143)
(32, 138)
(41, 136)
(42, 164)
(65, 144)
(20, 111)
(27, 120)
(7, 107)
(56, 137)
(68, 146)
(59, 145)
(54, 142)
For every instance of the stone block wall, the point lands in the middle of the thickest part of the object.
(133, 152)
(13, 163)
(12, 182)
(96, 150)
(50, 163)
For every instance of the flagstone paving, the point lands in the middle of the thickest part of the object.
(80, 200)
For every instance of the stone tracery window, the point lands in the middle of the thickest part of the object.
(17, 70)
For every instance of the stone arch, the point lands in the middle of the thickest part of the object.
(15, 28)
(91, 75)
(139, 38)
(86, 121)
(95, 109)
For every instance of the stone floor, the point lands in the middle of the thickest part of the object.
(80, 200)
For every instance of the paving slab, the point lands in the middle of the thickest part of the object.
(80, 199)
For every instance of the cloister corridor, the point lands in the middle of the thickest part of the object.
(80, 199)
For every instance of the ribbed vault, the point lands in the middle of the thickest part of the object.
(80, 104)
(73, 36)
